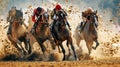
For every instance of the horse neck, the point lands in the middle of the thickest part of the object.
(15, 24)
(30, 22)
(61, 30)
(18, 29)
(41, 27)
(89, 28)
(86, 30)
(92, 26)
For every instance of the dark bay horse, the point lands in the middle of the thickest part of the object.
(62, 33)
(18, 33)
(89, 33)
(42, 34)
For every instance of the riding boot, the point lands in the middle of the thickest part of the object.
(52, 25)
(68, 25)
(9, 29)
(52, 28)
(81, 26)
(34, 27)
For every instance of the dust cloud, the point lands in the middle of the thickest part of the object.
(108, 29)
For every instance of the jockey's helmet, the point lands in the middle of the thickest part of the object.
(39, 9)
(58, 7)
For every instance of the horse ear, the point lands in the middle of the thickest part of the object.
(83, 13)
(96, 12)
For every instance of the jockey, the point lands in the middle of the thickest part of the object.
(38, 12)
(14, 14)
(11, 14)
(84, 17)
(54, 16)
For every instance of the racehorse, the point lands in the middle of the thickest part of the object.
(42, 33)
(61, 33)
(89, 32)
(18, 33)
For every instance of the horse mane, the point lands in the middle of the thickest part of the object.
(19, 15)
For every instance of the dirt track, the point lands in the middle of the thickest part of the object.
(108, 36)
(115, 62)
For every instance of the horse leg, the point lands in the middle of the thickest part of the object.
(77, 38)
(68, 50)
(68, 47)
(18, 48)
(89, 46)
(59, 49)
(57, 45)
(42, 47)
(63, 50)
(78, 42)
(52, 43)
(16, 40)
(97, 44)
(70, 40)
(27, 45)
(13, 42)
(20, 43)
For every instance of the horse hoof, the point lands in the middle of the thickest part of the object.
(29, 52)
(63, 59)
(94, 48)
(25, 53)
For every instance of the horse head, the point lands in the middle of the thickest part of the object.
(93, 19)
(46, 17)
(43, 19)
(61, 16)
(61, 19)
(43, 22)
(18, 18)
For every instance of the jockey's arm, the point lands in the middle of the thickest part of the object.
(33, 17)
(64, 12)
(66, 18)
(53, 15)
(67, 23)
(8, 17)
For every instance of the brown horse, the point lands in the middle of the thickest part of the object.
(89, 33)
(42, 34)
(18, 33)
(62, 33)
